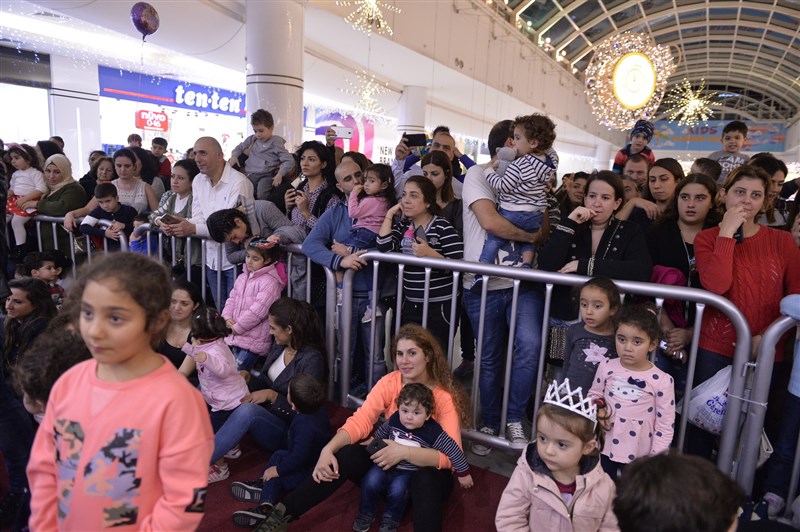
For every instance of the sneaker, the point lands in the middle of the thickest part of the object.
(217, 473)
(465, 369)
(234, 453)
(276, 521)
(481, 449)
(251, 517)
(247, 491)
(516, 435)
(363, 522)
(389, 525)
(775, 504)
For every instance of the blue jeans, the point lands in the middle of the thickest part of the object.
(274, 488)
(245, 359)
(228, 277)
(394, 483)
(16, 436)
(527, 346)
(361, 238)
(267, 430)
(360, 337)
(525, 220)
(779, 467)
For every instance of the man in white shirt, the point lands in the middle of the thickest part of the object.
(480, 217)
(216, 187)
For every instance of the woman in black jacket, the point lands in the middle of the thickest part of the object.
(591, 241)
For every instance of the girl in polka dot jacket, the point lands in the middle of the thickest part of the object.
(639, 398)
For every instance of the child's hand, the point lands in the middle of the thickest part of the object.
(233, 161)
(465, 482)
(229, 323)
(112, 233)
(277, 180)
(200, 357)
(357, 189)
(271, 472)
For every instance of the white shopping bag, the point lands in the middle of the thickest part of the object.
(708, 402)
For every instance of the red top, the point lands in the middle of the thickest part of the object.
(767, 268)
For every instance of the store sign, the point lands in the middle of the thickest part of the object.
(761, 136)
(152, 120)
(137, 87)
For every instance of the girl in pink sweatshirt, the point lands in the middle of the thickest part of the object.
(220, 382)
(246, 310)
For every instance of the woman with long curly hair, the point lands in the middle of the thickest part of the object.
(418, 359)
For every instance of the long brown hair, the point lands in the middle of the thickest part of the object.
(438, 370)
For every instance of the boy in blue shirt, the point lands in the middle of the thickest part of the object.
(111, 209)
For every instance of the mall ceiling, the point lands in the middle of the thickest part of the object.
(749, 52)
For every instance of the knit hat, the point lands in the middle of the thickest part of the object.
(644, 127)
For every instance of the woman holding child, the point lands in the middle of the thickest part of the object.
(419, 359)
(64, 194)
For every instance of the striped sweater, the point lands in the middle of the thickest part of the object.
(522, 186)
(429, 436)
(444, 239)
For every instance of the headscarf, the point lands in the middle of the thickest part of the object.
(63, 164)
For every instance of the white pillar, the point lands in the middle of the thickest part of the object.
(413, 104)
(75, 109)
(274, 48)
(602, 156)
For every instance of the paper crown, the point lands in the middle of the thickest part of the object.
(563, 396)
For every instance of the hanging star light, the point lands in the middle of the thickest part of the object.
(626, 79)
(687, 105)
(366, 87)
(368, 14)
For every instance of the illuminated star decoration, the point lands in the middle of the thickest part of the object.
(687, 105)
(366, 87)
(368, 14)
(599, 78)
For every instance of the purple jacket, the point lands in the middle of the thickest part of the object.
(248, 306)
(221, 385)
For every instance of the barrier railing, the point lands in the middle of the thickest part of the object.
(756, 408)
(57, 223)
(700, 298)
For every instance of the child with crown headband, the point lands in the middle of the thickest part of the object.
(220, 383)
(558, 483)
(639, 396)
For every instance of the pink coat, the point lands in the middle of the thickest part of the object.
(248, 306)
(220, 383)
(531, 500)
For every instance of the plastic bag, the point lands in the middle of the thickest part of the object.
(709, 401)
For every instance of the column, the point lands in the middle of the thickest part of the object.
(274, 48)
(602, 156)
(411, 117)
(75, 109)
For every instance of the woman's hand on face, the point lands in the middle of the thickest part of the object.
(420, 248)
(391, 455)
(570, 267)
(391, 213)
(731, 221)
(289, 199)
(581, 215)
(260, 396)
(327, 468)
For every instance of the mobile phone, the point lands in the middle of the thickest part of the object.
(419, 232)
(343, 132)
(739, 234)
(297, 183)
(415, 139)
(375, 445)
(169, 219)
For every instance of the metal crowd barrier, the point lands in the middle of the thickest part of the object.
(57, 224)
(756, 408)
(701, 298)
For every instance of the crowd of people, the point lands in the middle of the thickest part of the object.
(237, 357)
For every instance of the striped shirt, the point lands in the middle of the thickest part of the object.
(429, 436)
(444, 239)
(522, 187)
